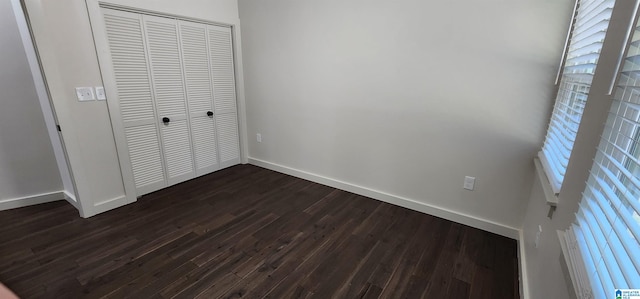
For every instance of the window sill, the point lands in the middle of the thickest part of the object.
(551, 197)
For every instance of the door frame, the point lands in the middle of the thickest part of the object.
(70, 190)
(98, 29)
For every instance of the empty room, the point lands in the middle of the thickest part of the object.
(319, 149)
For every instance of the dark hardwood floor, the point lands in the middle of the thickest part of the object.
(251, 232)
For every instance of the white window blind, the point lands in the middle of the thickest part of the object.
(588, 31)
(607, 228)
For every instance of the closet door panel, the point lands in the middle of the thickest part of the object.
(128, 54)
(224, 86)
(199, 87)
(166, 69)
(222, 73)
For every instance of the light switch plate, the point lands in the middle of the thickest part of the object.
(100, 95)
(85, 94)
(469, 182)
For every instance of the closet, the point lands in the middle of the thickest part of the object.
(176, 96)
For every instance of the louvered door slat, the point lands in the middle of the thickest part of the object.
(163, 46)
(199, 95)
(127, 48)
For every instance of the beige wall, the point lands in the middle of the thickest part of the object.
(27, 162)
(406, 97)
(64, 39)
(544, 266)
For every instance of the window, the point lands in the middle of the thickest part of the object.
(591, 20)
(607, 228)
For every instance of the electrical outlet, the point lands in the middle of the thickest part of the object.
(259, 137)
(469, 182)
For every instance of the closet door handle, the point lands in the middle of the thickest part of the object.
(165, 120)
(209, 113)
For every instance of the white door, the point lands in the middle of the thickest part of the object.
(128, 54)
(176, 90)
(224, 87)
(199, 95)
(163, 47)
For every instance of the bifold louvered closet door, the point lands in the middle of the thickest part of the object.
(176, 91)
(163, 52)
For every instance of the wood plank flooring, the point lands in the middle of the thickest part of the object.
(248, 232)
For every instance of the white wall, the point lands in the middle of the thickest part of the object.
(406, 97)
(65, 43)
(224, 11)
(45, 103)
(544, 267)
(28, 169)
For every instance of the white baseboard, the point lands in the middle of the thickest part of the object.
(524, 279)
(71, 199)
(465, 219)
(20, 202)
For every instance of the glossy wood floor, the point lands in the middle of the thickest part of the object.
(252, 233)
